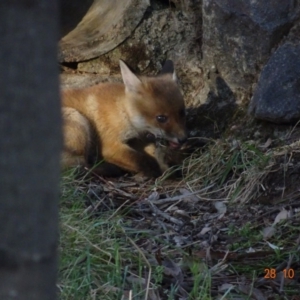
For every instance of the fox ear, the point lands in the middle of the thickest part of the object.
(131, 81)
(168, 68)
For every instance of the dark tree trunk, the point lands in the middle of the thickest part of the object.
(30, 142)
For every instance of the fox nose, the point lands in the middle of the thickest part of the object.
(182, 140)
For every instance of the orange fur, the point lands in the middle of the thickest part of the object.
(114, 119)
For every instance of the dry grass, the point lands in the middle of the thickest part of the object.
(185, 238)
(234, 169)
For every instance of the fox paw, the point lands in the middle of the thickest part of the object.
(140, 177)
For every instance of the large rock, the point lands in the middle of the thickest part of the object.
(168, 30)
(106, 24)
(219, 47)
(277, 96)
(238, 36)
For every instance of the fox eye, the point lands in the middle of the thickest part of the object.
(162, 118)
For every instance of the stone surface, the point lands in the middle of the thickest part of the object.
(166, 32)
(219, 48)
(69, 80)
(239, 35)
(277, 96)
(106, 24)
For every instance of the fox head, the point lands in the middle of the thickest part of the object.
(155, 105)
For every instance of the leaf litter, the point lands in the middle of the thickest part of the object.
(231, 224)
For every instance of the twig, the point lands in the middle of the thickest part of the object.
(179, 197)
(165, 215)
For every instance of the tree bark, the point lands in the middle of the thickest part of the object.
(30, 143)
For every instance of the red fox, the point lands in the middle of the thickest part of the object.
(118, 123)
